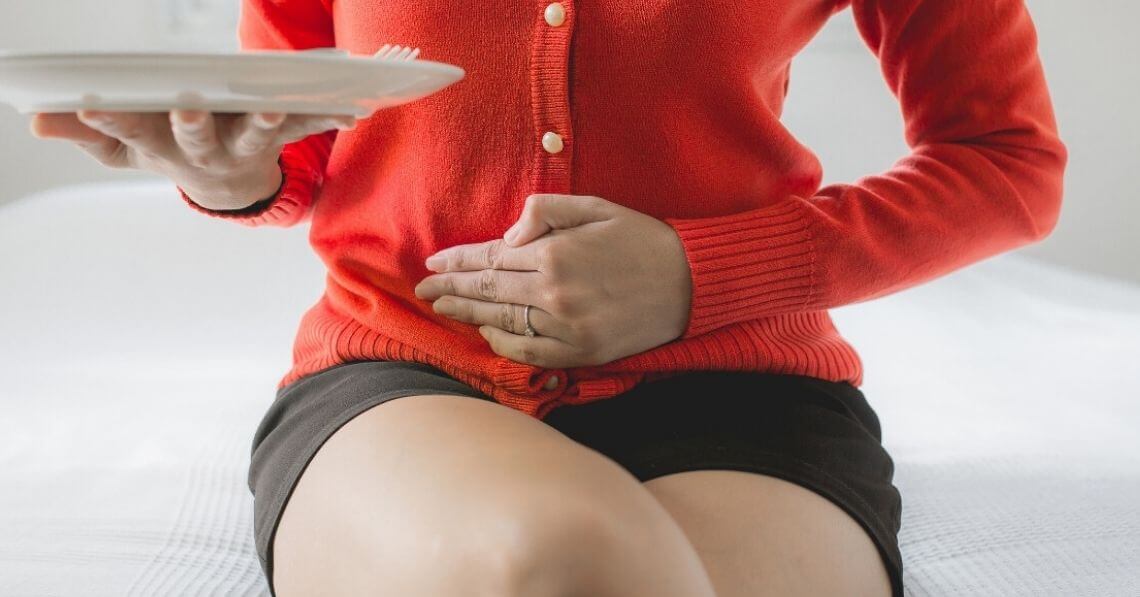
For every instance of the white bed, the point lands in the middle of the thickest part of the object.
(141, 343)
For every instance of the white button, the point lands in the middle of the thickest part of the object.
(555, 14)
(552, 142)
(551, 382)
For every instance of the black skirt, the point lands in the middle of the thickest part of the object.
(819, 434)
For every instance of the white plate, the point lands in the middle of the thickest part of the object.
(317, 81)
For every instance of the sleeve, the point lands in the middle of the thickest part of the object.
(285, 24)
(984, 175)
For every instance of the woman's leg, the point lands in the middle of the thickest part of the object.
(761, 536)
(438, 495)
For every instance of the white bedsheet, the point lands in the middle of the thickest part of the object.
(141, 343)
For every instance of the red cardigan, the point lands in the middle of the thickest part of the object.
(672, 109)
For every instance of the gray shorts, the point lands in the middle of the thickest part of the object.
(819, 434)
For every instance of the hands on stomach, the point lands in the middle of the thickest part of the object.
(223, 161)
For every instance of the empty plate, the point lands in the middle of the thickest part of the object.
(314, 81)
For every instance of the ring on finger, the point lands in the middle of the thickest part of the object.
(517, 319)
(529, 331)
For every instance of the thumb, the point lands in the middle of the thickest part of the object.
(545, 212)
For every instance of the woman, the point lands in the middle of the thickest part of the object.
(606, 236)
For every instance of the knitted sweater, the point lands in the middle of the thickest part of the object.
(672, 109)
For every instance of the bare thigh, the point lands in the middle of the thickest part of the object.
(438, 495)
(760, 536)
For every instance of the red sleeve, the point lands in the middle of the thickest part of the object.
(984, 175)
(285, 24)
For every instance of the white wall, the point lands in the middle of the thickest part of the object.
(29, 164)
(1090, 53)
(1089, 50)
(1085, 48)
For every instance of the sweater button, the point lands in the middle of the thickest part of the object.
(551, 382)
(555, 14)
(552, 142)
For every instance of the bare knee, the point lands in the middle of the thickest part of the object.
(556, 548)
(529, 546)
(597, 539)
(385, 508)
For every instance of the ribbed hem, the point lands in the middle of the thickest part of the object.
(527, 380)
(747, 265)
(289, 206)
(802, 343)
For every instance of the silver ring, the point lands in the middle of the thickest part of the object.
(526, 317)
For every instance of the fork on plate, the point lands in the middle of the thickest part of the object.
(399, 53)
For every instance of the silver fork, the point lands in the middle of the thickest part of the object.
(398, 53)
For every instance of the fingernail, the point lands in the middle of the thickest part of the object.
(264, 121)
(443, 307)
(99, 117)
(189, 123)
(511, 232)
(435, 263)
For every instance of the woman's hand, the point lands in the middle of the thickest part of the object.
(604, 282)
(223, 161)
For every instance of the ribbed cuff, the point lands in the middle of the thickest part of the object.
(748, 265)
(288, 206)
